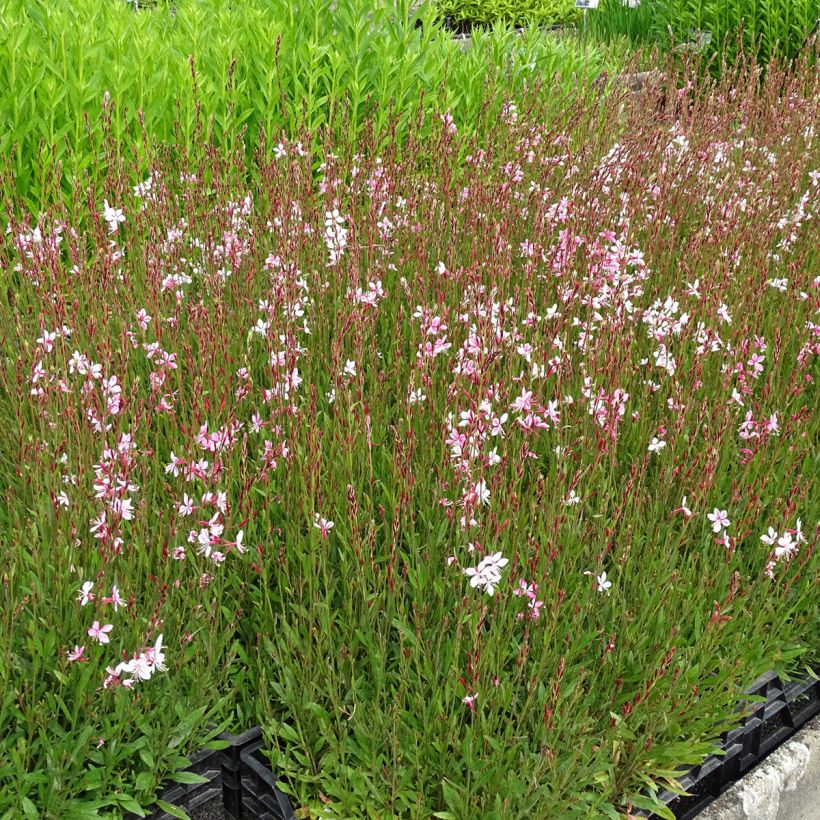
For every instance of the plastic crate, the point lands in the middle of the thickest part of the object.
(261, 799)
(193, 796)
(232, 770)
(768, 725)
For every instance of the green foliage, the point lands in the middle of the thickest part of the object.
(354, 651)
(282, 65)
(725, 29)
(519, 12)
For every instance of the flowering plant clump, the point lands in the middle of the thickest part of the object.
(483, 476)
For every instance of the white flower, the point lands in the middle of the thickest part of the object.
(482, 493)
(602, 585)
(723, 312)
(786, 547)
(656, 445)
(113, 216)
(159, 656)
(240, 547)
(488, 572)
(85, 593)
(770, 537)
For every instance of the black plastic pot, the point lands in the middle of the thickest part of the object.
(261, 798)
(770, 723)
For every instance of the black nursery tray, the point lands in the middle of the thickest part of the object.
(241, 786)
(197, 799)
(219, 797)
(261, 798)
(232, 770)
(465, 28)
(770, 723)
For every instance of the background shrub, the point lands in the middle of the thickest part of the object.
(520, 12)
(759, 27)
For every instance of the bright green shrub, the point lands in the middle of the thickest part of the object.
(277, 64)
(510, 11)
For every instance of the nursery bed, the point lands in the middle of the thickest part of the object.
(241, 783)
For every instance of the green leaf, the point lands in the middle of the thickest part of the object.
(145, 781)
(174, 811)
(29, 809)
(189, 778)
(129, 804)
(650, 804)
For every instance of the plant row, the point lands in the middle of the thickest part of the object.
(464, 464)
(239, 782)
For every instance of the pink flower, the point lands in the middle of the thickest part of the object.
(719, 519)
(143, 319)
(497, 428)
(115, 599)
(76, 654)
(100, 633)
(322, 524)
(523, 402)
(470, 701)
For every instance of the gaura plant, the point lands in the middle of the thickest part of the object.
(480, 471)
